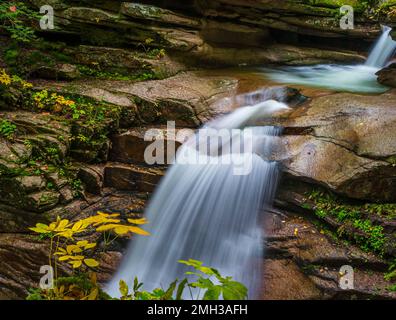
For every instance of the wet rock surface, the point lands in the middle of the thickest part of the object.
(344, 142)
(22, 254)
(185, 98)
(304, 262)
(387, 76)
(215, 31)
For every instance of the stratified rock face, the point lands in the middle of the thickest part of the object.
(302, 262)
(20, 260)
(59, 72)
(221, 32)
(20, 187)
(131, 146)
(185, 98)
(387, 76)
(131, 178)
(347, 143)
(22, 255)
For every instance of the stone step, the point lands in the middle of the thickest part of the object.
(130, 146)
(129, 177)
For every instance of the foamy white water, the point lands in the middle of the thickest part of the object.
(352, 78)
(205, 211)
(383, 50)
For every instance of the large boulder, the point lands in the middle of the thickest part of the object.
(387, 76)
(186, 98)
(345, 142)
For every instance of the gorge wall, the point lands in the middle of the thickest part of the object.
(139, 65)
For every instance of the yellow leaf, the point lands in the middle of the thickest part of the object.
(52, 226)
(93, 294)
(138, 230)
(60, 252)
(107, 214)
(76, 264)
(107, 227)
(91, 263)
(38, 230)
(90, 246)
(77, 226)
(138, 221)
(121, 230)
(73, 249)
(77, 257)
(82, 243)
(93, 278)
(124, 290)
(62, 225)
(64, 258)
(66, 234)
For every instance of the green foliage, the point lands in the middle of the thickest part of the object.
(370, 237)
(16, 18)
(100, 74)
(156, 53)
(391, 275)
(392, 288)
(226, 287)
(211, 284)
(373, 239)
(77, 187)
(66, 247)
(156, 294)
(7, 129)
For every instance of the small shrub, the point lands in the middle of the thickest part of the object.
(66, 248)
(7, 129)
(17, 19)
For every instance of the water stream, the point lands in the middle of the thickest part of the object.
(208, 206)
(352, 78)
(210, 203)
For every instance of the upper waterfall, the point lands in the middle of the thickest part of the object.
(352, 78)
(383, 50)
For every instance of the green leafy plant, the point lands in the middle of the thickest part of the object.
(391, 274)
(210, 283)
(17, 19)
(370, 237)
(67, 247)
(214, 284)
(7, 129)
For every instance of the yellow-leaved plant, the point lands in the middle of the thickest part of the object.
(67, 246)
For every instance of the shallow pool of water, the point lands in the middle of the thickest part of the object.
(358, 78)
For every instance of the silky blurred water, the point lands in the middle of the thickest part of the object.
(350, 78)
(203, 210)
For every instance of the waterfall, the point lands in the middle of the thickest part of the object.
(383, 50)
(351, 78)
(206, 208)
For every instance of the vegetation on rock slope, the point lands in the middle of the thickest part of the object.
(88, 123)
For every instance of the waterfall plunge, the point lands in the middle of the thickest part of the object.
(383, 50)
(205, 211)
(352, 78)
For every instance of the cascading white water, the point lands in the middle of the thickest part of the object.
(206, 209)
(383, 50)
(353, 78)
